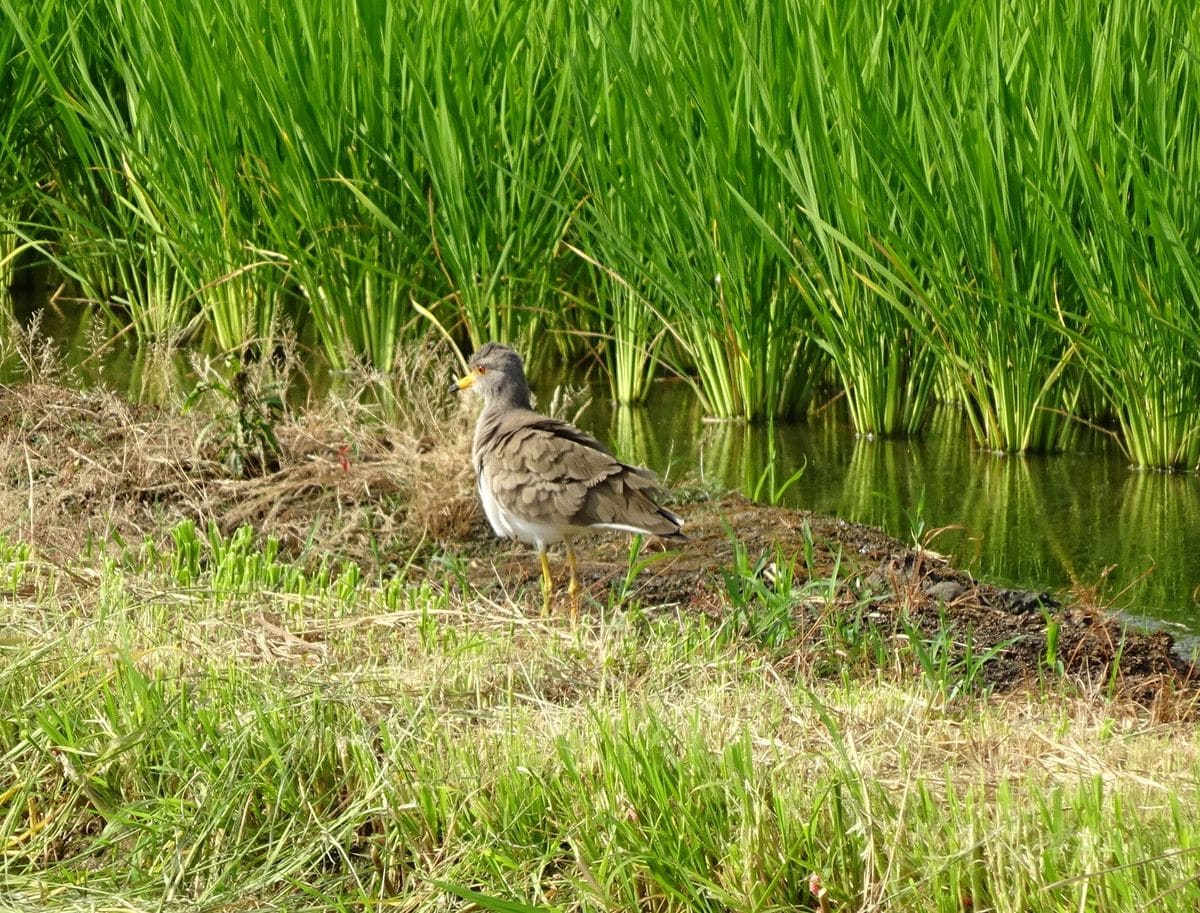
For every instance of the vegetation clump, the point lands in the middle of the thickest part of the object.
(993, 209)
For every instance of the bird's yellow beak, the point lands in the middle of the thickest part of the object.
(465, 382)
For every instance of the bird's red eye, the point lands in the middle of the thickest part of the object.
(480, 369)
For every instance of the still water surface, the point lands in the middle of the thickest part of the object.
(1061, 521)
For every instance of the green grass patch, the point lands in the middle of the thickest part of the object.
(200, 725)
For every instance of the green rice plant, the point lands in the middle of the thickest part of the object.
(633, 354)
(331, 100)
(628, 329)
(215, 152)
(991, 205)
(1130, 243)
(9, 245)
(493, 133)
(167, 242)
(33, 47)
(24, 143)
(886, 369)
(19, 83)
(143, 285)
(982, 264)
(841, 210)
(477, 168)
(687, 164)
(359, 309)
(607, 230)
(255, 195)
(105, 220)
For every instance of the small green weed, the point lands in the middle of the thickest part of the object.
(243, 422)
(952, 666)
(14, 561)
(240, 563)
(1051, 664)
(624, 587)
(762, 597)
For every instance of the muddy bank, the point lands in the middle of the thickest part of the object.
(79, 467)
(889, 581)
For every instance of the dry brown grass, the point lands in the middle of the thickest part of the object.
(357, 473)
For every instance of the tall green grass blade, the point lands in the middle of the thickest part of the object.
(990, 208)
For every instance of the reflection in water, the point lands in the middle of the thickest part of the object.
(1053, 521)
(80, 343)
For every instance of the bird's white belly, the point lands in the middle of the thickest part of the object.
(494, 514)
(512, 525)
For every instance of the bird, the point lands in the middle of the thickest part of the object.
(543, 481)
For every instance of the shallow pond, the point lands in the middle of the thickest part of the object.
(1079, 519)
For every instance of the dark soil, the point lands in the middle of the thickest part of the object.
(892, 582)
(79, 467)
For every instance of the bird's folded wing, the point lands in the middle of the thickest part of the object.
(552, 472)
(542, 469)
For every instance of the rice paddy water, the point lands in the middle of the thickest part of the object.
(1060, 521)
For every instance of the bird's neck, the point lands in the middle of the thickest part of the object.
(511, 397)
(494, 411)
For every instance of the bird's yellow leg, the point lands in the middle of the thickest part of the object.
(547, 581)
(573, 587)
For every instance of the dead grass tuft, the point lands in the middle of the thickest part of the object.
(357, 473)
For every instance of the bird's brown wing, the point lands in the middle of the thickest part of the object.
(549, 471)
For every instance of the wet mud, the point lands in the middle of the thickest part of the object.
(1035, 636)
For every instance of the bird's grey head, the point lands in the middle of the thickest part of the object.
(498, 375)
